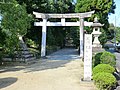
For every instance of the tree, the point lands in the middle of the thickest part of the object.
(15, 22)
(117, 31)
(111, 30)
(102, 9)
(48, 6)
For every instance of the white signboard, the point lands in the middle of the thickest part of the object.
(87, 57)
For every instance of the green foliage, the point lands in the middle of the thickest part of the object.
(15, 18)
(2, 37)
(103, 68)
(111, 31)
(30, 43)
(102, 9)
(108, 58)
(117, 31)
(104, 58)
(103, 37)
(51, 38)
(104, 81)
(55, 35)
(15, 22)
(97, 59)
(75, 36)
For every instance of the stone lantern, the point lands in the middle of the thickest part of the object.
(96, 32)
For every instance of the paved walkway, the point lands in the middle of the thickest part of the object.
(61, 70)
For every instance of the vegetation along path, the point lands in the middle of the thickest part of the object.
(61, 70)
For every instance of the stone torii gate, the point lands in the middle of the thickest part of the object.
(81, 23)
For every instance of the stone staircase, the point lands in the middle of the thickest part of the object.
(25, 56)
(22, 56)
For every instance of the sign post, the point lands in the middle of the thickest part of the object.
(87, 57)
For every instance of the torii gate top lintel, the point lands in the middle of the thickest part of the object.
(67, 15)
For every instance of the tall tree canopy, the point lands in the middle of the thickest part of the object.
(15, 21)
(102, 9)
(57, 34)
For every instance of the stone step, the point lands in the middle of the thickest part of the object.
(28, 55)
(24, 52)
(7, 59)
(29, 59)
(19, 59)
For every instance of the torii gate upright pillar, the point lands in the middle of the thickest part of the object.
(43, 44)
(81, 36)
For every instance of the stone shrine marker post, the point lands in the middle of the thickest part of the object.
(87, 57)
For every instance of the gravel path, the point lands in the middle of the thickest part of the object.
(60, 71)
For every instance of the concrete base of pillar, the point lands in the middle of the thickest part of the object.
(88, 83)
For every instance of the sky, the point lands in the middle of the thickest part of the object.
(117, 14)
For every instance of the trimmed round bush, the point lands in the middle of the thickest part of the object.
(108, 58)
(103, 68)
(104, 81)
(97, 58)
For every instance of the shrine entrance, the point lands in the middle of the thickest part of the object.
(81, 23)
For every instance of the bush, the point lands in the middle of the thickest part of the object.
(103, 68)
(97, 58)
(104, 81)
(30, 43)
(108, 58)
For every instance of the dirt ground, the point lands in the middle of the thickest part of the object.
(45, 75)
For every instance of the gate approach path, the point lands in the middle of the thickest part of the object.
(61, 70)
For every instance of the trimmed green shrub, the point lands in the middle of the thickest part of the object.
(97, 58)
(104, 81)
(108, 58)
(103, 68)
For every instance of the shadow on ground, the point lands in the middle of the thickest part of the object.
(47, 64)
(40, 65)
(4, 82)
(11, 68)
(55, 60)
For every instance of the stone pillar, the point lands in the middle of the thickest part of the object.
(43, 44)
(81, 36)
(88, 57)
